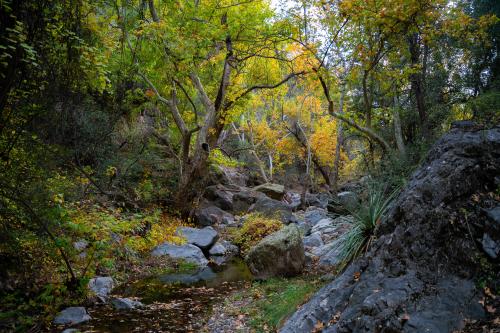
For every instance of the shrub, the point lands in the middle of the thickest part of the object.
(367, 217)
(254, 229)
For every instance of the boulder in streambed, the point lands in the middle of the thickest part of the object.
(101, 286)
(273, 191)
(187, 252)
(279, 254)
(203, 238)
(222, 252)
(72, 316)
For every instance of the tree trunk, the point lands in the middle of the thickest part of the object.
(417, 84)
(340, 139)
(397, 128)
(366, 101)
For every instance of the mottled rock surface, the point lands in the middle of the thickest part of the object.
(419, 275)
(187, 252)
(279, 254)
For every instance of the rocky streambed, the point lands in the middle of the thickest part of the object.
(174, 302)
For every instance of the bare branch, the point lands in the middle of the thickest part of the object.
(262, 86)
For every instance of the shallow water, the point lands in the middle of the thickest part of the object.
(178, 302)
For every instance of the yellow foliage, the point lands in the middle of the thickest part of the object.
(163, 231)
(324, 140)
(254, 229)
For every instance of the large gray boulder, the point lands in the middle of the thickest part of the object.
(187, 252)
(210, 214)
(273, 208)
(72, 316)
(203, 238)
(221, 196)
(279, 254)
(320, 200)
(244, 199)
(101, 286)
(418, 274)
(274, 191)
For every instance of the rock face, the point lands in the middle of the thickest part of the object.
(72, 316)
(188, 252)
(273, 191)
(203, 238)
(419, 274)
(279, 254)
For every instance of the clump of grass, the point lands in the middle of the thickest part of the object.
(367, 216)
(254, 229)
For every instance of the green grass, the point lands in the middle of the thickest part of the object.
(276, 299)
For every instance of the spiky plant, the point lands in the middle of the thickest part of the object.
(367, 216)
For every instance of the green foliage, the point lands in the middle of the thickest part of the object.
(275, 299)
(217, 157)
(486, 108)
(254, 229)
(367, 216)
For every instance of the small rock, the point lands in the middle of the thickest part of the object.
(72, 316)
(222, 248)
(203, 238)
(494, 214)
(491, 247)
(314, 214)
(313, 240)
(126, 303)
(222, 252)
(101, 285)
(292, 199)
(322, 225)
(187, 252)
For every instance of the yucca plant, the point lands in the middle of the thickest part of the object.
(367, 216)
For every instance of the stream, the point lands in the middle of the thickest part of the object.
(178, 302)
